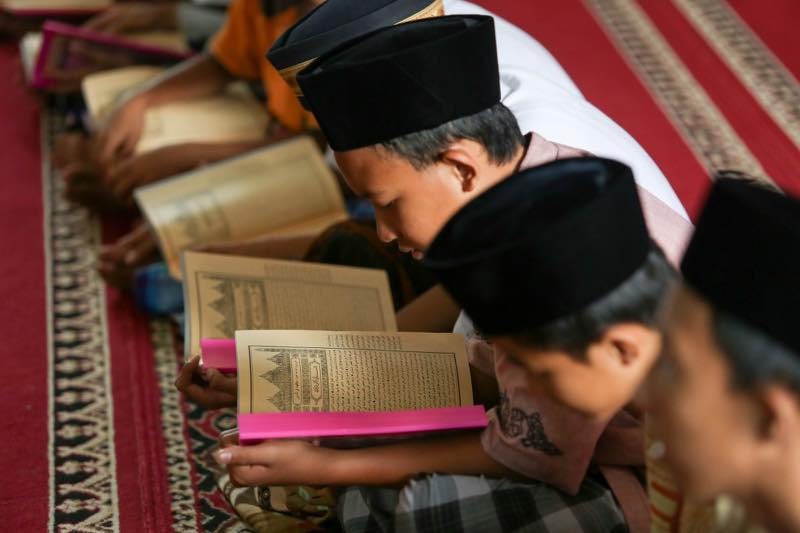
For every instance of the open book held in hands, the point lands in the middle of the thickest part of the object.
(234, 115)
(352, 388)
(224, 293)
(283, 189)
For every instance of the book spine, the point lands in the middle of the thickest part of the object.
(256, 427)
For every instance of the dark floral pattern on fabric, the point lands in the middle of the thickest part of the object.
(515, 422)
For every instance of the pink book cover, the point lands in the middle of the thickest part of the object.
(356, 429)
(219, 354)
(55, 54)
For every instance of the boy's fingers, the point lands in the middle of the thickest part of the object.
(129, 145)
(113, 173)
(229, 439)
(108, 254)
(250, 475)
(259, 454)
(123, 187)
(117, 173)
(221, 383)
(139, 251)
(128, 249)
(200, 395)
(132, 237)
(186, 373)
(107, 145)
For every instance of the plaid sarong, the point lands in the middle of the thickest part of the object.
(445, 503)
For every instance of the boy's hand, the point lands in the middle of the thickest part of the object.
(212, 390)
(71, 148)
(299, 462)
(278, 462)
(116, 262)
(137, 170)
(121, 132)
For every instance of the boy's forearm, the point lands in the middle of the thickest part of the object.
(286, 247)
(396, 464)
(212, 152)
(184, 157)
(194, 78)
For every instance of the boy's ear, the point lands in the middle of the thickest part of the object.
(778, 415)
(626, 344)
(463, 157)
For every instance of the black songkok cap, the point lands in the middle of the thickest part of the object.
(543, 244)
(403, 79)
(336, 22)
(744, 257)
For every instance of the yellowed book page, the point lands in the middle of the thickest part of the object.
(290, 370)
(235, 115)
(230, 117)
(55, 4)
(223, 293)
(283, 189)
(102, 89)
(168, 40)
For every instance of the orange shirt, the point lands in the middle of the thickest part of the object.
(241, 46)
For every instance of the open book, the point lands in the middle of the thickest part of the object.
(283, 189)
(54, 7)
(224, 293)
(69, 53)
(301, 384)
(235, 115)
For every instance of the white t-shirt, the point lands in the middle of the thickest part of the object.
(545, 100)
(518, 54)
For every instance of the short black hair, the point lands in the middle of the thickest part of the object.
(755, 359)
(636, 300)
(496, 129)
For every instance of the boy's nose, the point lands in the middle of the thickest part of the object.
(384, 233)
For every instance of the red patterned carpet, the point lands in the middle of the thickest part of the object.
(96, 437)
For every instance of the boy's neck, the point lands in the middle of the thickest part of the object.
(519, 156)
(513, 166)
(774, 502)
(492, 174)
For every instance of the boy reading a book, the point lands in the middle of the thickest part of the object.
(725, 397)
(593, 350)
(570, 291)
(414, 193)
(235, 53)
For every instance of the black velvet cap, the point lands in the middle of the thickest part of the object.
(543, 244)
(403, 79)
(335, 22)
(744, 258)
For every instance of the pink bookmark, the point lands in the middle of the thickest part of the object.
(219, 354)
